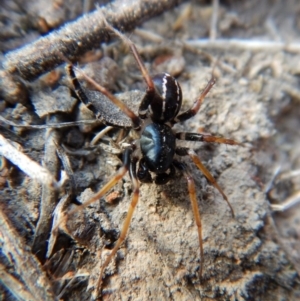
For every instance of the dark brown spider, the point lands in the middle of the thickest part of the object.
(154, 156)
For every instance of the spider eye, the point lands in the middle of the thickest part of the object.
(167, 101)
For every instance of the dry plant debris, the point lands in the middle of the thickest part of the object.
(255, 56)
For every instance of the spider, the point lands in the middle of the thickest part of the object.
(154, 156)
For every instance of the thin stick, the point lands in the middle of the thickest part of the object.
(240, 44)
(287, 204)
(214, 20)
(15, 286)
(50, 125)
(49, 197)
(101, 134)
(26, 266)
(27, 165)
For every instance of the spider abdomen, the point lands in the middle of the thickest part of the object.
(167, 102)
(158, 147)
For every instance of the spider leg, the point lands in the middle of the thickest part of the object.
(197, 104)
(78, 89)
(205, 138)
(196, 212)
(136, 122)
(127, 221)
(150, 92)
(111, 183)
(206, 173)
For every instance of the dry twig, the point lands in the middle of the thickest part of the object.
(25, 265)
(30, 167)
(49, 197)
(82, 35)
(240, 44)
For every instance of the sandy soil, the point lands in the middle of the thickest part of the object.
(254, 256)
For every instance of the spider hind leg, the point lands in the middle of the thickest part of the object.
(126, 224)
(193, 198)
(181, 151)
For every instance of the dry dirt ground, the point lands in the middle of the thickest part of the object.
(254, 256)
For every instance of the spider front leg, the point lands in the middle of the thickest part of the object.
(150, 92)
(196, 212)
(110, 184)
(205, 138)
(204, 170)
(126, 225)
(136, 122)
